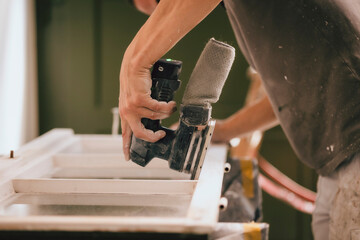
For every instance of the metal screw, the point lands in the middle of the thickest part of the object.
(161, 68)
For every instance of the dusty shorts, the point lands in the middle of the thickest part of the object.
(337, 207)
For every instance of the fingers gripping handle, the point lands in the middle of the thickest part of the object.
(165, 81)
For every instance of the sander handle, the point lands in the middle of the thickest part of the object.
(165, 81)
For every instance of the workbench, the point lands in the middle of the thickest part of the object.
(66, 185)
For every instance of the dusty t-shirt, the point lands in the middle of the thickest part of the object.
(308, 55)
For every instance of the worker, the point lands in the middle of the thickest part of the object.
(308, 55)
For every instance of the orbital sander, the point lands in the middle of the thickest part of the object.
(185, 147)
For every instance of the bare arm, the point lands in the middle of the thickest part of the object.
(171, 20)
(258, 116)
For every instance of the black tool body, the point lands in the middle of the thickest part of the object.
(185, 148)
(165, 81)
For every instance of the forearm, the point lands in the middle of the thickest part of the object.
(258, 116)
(171, 21)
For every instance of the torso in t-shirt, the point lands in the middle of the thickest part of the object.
(308, 55)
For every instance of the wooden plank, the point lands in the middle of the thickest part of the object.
(204, 205)
(112, 224)
(120, 173)
(95, 160)
(109, 199)
(95, 165)
(103, 186)
(98, 144)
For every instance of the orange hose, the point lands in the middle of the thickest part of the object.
(284, 181)
(285, 195)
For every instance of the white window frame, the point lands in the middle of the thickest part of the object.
(56, 164)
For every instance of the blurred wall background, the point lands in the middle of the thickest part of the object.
(80, 47)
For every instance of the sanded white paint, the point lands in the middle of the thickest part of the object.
(110, 165)
(112, 224)
(110, 199)
(95, 160)
(203, 205)
(120, 173)
(47, 185)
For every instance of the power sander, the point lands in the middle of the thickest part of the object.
(185, 147)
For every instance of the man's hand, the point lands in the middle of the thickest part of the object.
(136, 103)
